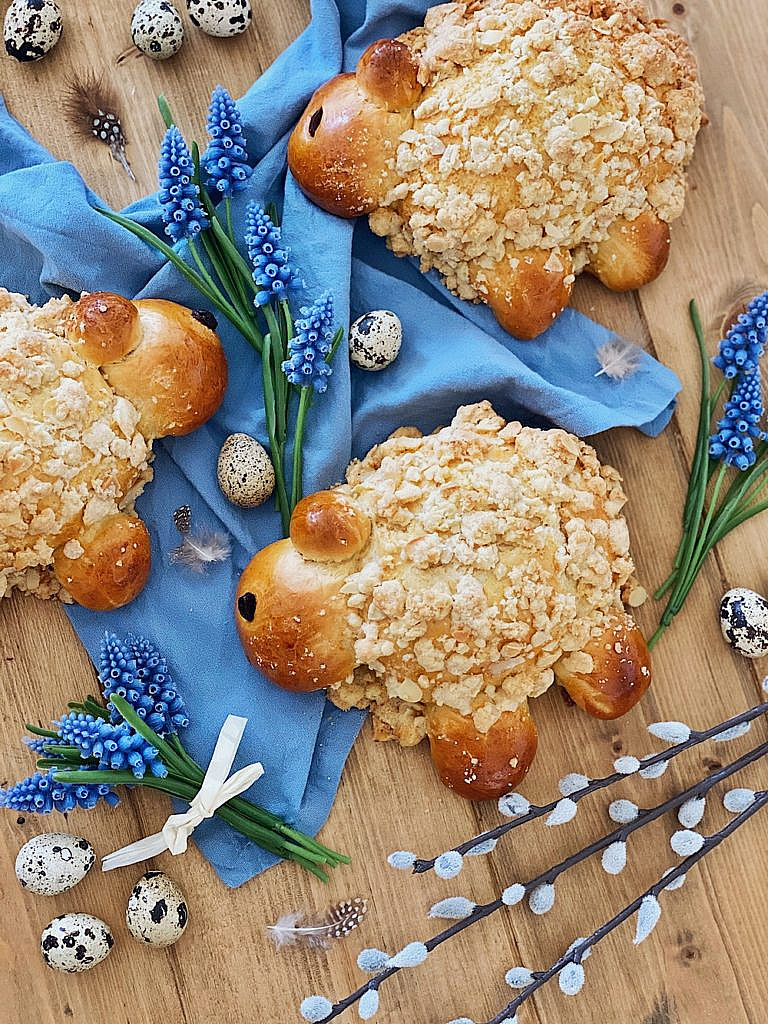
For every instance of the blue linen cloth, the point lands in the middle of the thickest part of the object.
(53, 240)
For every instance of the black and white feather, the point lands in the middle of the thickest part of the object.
(300, 928)
(198, 550)
(92, 110)
(618, 358)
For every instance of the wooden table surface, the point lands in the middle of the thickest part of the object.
(705, 961)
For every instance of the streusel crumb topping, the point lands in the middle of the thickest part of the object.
(540, 124)
(496, 550)
(70, 451)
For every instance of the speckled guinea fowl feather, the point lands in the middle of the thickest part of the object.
(299, 928)
(91, 108)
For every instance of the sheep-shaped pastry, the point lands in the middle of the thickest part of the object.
(450, 579)
(84, 389)
(511, 144)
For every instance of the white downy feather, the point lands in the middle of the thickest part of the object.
(618, 358)
(199, 550)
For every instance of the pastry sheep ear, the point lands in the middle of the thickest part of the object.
(329, 527)
(387, 73)
(611, 674)
(103, 327)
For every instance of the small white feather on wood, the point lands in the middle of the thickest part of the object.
(299, 928)
(198, 550)
(618, 358)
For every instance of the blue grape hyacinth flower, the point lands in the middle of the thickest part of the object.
(179, 197)
(40, 794)
(734, 439)
(310, 348)
(115, 747)
(136, 671)
(272, 270)
(225, 162)
(743, 345)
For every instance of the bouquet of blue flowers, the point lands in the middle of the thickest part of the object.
(253, 293)
(132, 739)
(736, 441)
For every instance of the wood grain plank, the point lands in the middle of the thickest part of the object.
(701, 963)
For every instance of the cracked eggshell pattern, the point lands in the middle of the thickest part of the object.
(157, 910)
(75, 942)
(220, 17)
(375, 339)
(53, 862)
(31, 29)
(744, 622)
(157, 29)
(245, 472)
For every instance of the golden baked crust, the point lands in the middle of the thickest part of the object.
(70, 450)
(84, 389)
(497, 549)
(495, 561)
(540, 126)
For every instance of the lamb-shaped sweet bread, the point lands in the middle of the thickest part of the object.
(450, 579)
(84, 389)
(511, 144)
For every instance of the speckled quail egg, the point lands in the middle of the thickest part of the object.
(75, 942)
(220, 17)
(244, 471)
(157, 910)
(31, 29)
(53, 862)
(157, 29)
(744, 622)
(375, 339)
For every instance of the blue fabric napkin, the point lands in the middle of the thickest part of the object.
(52, 240)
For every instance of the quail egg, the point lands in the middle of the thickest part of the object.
(220, 17)
(75, 942)
(157, 910)
(157, 29)
(245, 472)
(31, 29)
(744, 622)
(375, 339)
(53, 862)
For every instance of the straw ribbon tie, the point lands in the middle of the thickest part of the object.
(217, 788)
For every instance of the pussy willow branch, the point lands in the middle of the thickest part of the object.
(699, 788)
(696, 737)
(577, 952)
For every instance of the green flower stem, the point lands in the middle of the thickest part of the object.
(228, 212)
(259, 814)
(173, 257)
(67, 752)
(165, 111)
(298, 445)
(37, 731)
(279, 354)
(212, 286)
(267, 362)
(183, 790)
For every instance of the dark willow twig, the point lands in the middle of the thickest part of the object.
(696, 737)
(579, 949)
(481, 911)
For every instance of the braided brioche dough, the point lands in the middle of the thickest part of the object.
(450, 579)
(510, 144)
(84, 388)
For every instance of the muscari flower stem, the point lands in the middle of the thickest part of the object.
(696, 737)
(269, 368)
(699, 788)
(305, 402)
(577, 951)
(37, 731)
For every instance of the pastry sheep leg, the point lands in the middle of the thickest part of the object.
(634, 253)
(481, 765)
(611, 674)
(111, 562)
(527, 290)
